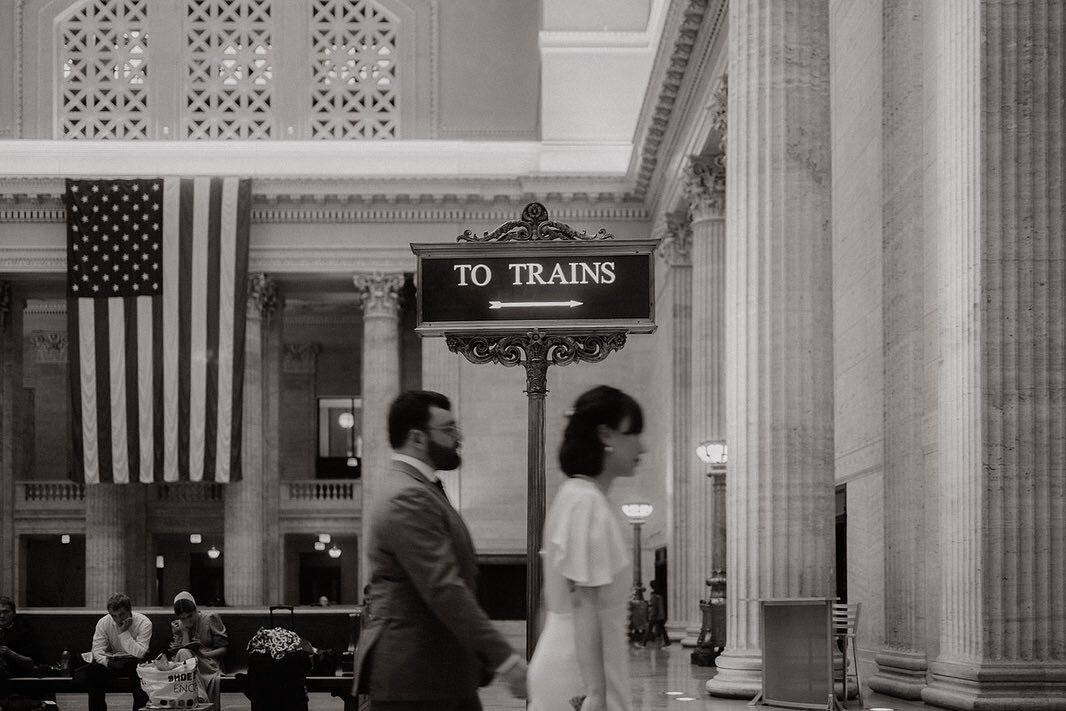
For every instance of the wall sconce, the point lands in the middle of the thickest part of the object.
(320, 546)
(213, 553)
(334, 551)
(714, 453)
(195, 538)
(64, 539)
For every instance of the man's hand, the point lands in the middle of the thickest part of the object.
(125, 624)
(516, 678)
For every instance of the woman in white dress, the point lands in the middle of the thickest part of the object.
(582, 650)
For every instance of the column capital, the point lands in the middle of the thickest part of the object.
(264, 297)
(704, 186)
(51, 346)
(720, 112)
(300, 357)
(676, 235)
(379, 293)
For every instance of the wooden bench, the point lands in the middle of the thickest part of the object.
(72, 629)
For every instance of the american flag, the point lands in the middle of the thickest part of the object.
(156, 285)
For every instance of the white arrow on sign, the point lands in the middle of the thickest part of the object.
(531, 304)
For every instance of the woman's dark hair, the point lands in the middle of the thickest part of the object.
(410, 411)
(582, 450)
(184, 605)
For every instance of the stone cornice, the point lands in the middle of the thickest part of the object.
(692, 29)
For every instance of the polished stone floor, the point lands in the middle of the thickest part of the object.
(663, 680)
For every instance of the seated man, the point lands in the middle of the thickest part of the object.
(120, 642)
(16, 643)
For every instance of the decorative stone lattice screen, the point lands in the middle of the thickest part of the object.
(229, 85)
(354, 66)
(104, 67)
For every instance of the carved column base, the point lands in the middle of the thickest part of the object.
(691, 635)
(997, 687)
(739, 675)
(900, 673)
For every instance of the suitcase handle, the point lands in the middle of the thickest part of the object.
(292, 613)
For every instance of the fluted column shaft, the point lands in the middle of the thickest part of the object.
(683, 584)
(105, 542)
(440, 372)
(999, 207)
(705, 188)
(10, 358)
(380, 297)
(779, 384)
(902, 662)
(246, 546)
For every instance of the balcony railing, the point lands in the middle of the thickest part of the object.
(318, 495)
(49, 495)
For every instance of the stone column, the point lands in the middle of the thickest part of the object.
(246, 546)
(778, 313)
(10, 384)
(999, 214)
(684, 583)
(380, 298)
(105, 542)
(901, 662)
(299, 429)
(705, 189)
(440, 372)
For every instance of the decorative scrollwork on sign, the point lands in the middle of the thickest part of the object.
(536, 350)
(533, 227)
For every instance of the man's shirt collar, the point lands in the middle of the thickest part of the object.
(426, 470)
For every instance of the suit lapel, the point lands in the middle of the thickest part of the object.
(464, 545)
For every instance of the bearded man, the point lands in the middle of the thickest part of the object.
(429, 644)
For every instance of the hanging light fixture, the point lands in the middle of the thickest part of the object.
(195, 538)
(213, 553)
(325, 538)
(334, 551)
(64, 539)
(320, 546)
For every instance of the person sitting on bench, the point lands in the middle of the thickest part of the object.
(120, 642)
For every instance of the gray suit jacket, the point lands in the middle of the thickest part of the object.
(428, 637)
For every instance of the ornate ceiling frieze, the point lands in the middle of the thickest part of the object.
(692, 26)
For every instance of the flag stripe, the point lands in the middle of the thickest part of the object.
(77, 465)
(184, 267)
(198, 333)
(145, 389)
(240, 309)
(102, 327)
(157, 389)
(133, 410)
(87, 346)
(212, 323)
(172, 217)
(116, 352)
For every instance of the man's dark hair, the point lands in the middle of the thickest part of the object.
(5, 600)
(119, 601)
(410, 411)
(582, 450)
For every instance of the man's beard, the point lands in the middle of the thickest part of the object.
(443, 458)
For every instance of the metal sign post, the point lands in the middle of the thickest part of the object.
(535, 293)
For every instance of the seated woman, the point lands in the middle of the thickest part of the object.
(201, 635)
